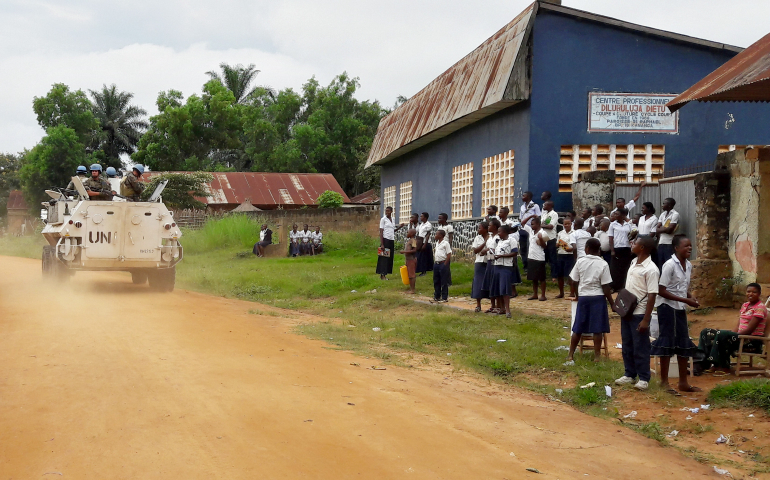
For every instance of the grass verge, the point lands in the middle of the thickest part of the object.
(28, 246)
(743, 393)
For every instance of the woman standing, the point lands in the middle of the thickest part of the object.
(620, 249)
(387, 241)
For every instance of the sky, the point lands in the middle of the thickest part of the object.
(394, 48)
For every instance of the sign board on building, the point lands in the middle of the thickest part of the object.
(631, 113)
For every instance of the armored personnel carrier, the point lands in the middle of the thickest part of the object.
(111, 235)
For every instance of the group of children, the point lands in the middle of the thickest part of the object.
(305, 241)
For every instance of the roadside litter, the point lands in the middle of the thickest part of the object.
(588, 385)
(630, 415)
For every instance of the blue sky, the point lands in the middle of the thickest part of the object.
(394, 47)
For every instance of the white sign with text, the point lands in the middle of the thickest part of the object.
(631, 113)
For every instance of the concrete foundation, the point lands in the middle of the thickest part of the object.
(594, 188)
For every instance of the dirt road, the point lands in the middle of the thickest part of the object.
(103, 379)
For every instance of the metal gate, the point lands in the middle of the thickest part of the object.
(681, 189)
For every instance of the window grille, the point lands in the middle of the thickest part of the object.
(462, 191)
(388, 198)
(405, 202)
(632, 163)
(497, 181)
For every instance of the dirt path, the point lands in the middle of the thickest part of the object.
(103, 379)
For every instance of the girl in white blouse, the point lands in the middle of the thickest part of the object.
(620, 249)
(480, 265)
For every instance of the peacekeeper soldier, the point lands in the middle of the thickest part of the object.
(82, 172)
(97, 187)
(111, 172)
(131, 187)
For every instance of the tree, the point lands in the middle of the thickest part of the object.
(238, 80)
(9, 178)
(51, 163)
(121, 123)
(181, 190)
(62, 107)
(330, 199)
(187, 136)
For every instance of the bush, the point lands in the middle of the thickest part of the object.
(235, 230)
(330, 199)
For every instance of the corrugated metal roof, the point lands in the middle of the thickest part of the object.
(744, 78)
(477, 83)
(492, 77)
(16, 201)
(369, 197)
(267, 189)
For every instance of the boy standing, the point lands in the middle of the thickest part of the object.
(527, 212)
(442, 257)
(548, 221)
(642, 283)
(667, 223)
(410, 254)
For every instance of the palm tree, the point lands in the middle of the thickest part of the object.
(238, 80)
(122, 123)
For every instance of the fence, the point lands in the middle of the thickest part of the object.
(681, 189)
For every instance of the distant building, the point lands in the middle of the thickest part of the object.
(19, 220)
(266, 191)
(555, 93)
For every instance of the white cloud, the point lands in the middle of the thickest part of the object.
(395, 47)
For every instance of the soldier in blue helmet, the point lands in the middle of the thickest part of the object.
(82, 173)
(97, 187)
(131, 187)
(111, 172)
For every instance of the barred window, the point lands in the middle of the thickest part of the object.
(632, 163)
(497, 181)
(388, 198)
(405, 201)
(462, 191)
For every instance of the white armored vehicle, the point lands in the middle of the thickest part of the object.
(111, 235)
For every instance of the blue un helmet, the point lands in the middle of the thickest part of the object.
(96, 167)
(82, 169)
(111, 171)
(139, 168)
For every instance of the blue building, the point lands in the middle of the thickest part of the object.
(555, 93)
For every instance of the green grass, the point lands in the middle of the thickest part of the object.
(743, 393)
(28, 246)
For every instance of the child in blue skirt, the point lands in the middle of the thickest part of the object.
(506, 254)
(480, 265)
(489, 275)
(593, 283)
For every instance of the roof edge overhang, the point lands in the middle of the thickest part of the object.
(573, 12)
(445, 130)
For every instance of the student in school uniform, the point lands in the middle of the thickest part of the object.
(480, 265)
(549, 220)
(642, 283)
(604, 239)
(489, 251)
(388, 228)
(591, 277)
(597, 214)
(505, 257)
(425, 257)
(414, 222)
(294, 240)
(565, 256)
(621, 202)
(586, 216)
(578, 238)
(527, 212)
(306, 237)
(536, 270)
(491, 213)
(442, 259)
(647, 226)
(667, 223)
(620, 249)
(317, 241)
(673, 294)
(448, 231)
(265, 239)
(410, 256)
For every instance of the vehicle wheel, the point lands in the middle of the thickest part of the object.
(48, 259)
(138, 277)
(170, 280)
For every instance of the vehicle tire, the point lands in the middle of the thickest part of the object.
(139, 277)
(48, 259)
(170, 279)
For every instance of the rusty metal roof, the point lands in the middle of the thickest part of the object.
(492, 77)
(474, 87)
(16, 201)
(266, 190)
(744, 78)
(369, 197)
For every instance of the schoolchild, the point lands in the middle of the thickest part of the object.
(565, 257)
(489, 251)
(480, 265)
(443, 258)
(579, 237)
(591, 277)
(620, 249)
(674, 337)
(505, 257)
(549, 220)
(642, 283)
(603, 236)
(536, 269)
(425, 257)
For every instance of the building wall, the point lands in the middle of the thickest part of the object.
(430, 167)
(572, 58)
